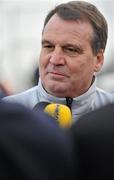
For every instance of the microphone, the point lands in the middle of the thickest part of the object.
(60, 112)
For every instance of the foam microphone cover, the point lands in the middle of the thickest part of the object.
(61, 113)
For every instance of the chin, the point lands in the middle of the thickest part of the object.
(58, 92)
(55, 87)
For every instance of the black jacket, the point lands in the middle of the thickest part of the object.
(93, 138)
(32, 146)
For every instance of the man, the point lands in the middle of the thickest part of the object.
(32, 146)
(74, 38)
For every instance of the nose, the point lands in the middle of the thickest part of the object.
(57, 56)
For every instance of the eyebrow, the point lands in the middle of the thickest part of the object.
(77, 47)
(46, 42)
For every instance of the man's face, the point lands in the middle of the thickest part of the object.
(67, 63)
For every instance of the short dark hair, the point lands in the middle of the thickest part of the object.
(81, 10)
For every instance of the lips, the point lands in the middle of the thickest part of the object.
(58, 71)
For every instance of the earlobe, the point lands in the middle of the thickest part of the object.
(99, 60)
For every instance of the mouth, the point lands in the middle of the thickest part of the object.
(57, 73)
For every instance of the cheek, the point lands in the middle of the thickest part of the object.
(40, 60)
(81, 69)
(43, 61)
(43, 64)
(76, 68)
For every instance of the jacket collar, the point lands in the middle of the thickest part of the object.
(80, 105)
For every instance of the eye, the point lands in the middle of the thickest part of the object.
(72, 51)
(48, 46)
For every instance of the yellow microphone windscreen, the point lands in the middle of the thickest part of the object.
(61, 113)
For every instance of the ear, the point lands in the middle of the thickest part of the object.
(99, 60)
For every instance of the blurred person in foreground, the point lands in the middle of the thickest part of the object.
(74, 39)
(32, 146)
(93, 136)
